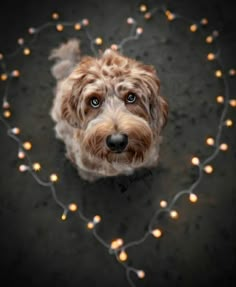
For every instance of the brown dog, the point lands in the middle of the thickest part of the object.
(108, 111)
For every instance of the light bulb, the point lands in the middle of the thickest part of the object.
(232, 72)
(224, 147)
(77, 26)
(27, 145)
(193, 28)
(63, 217)
(210, 141)
(220, 99)
(59, 27)
(229, 123)
(139, 30)
(211, 57)
(195, 160)
(208, 169)
(36, 166)
(23, 168)
(147, 15)
(85, 22)
(6, 105)
(26, 51)
(232, 103)
(204, 21)
(97, 219)
(163, 203)
(98, 41)
(130, 21)
(209, 39)
(73, 207)
(55, 16)
(123, 256)
(174, 214)
(15, 73)
(90, 225)
(53, 177)
(193, 197)
(21, 154)
(140, 274)
(157, 233)
(142, 8)
(218, 73)
(4, 77)
(7, 114)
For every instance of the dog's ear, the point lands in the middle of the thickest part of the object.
(157, 104)
(69, 109)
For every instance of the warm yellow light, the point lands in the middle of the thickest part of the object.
(21, 154)
(98, 41)
(16, 131)
(85, 22)
(142, 8)
(23, 168)
(97, 218)
(63, 217)
(208, 168)
(15, 73)
(220, 99)
(53, 177)
(232, 72)
(1, 56)
(218, 73)
(157, 233)
(193, 28)
(36, 166)
(4, 77)
(232, 103)
(77, 26)
(195, 160)
(174, 214)
(204, 21)
(20, 41)
(224, 147)
(147, 16)
(73, 207)
(27, 145)
(163, 203)
(31, 30)
(59, 27)
(209, 39)
(130, 21)
(115, 244)
(7, 114)
(114, 47)
(139, 30)
(193, 197)
(229, 123)
(210, 141)
(123, 256)
(211, 57)
(90, 225)
(6, 105)
(55, 16)
(170, 16)
(26, 51)
(140, 274)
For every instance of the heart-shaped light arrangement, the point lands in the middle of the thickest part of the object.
(117, 247)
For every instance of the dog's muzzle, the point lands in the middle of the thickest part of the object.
(117, 142)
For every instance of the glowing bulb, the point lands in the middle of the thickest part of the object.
(23, 168)
(215, 33)
(55, 16)
(210, 141)
(163, 203)
(209, 39)
(21, 154)
(7, 114)
(77, 26)
(232, 72)
(211, 57)
(123, 256)
(220, 99)
(208, 169)
(156, 233)
(26, 51)
(98, 41)
(63, 217)
(204, 21)
(147, 15)
(224, 147)
(142, 8)
(90, 225)
(139, 30)
(218, 73)
(85, 22)
(195, 161)
(114, 47)
(130, 21)
(15, 73)
(31, 30)
(4, 77)
(232, 103)
(170, 16)
(53, 177)
(36, 166)
(20, 41)
(174, 214)
(59, 27)
(193, 28)
(6, 105)
(15, 131)
(1, 56)
(73, 207)
(27, 145)
(97, 219)
(117, 243)
(229, 123)
(140, 274)
(193, 197)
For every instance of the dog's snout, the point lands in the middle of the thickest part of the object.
(117, 142)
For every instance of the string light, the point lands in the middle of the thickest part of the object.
(115, 246)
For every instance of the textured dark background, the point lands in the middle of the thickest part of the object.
(36, 247)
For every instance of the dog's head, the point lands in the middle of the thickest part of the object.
(115, 104)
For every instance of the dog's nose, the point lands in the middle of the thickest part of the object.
(117, 142)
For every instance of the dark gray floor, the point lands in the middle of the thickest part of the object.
(36, 247)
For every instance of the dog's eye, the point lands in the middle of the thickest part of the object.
(131, 98)
(95, 103)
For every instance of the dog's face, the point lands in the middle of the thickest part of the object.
(114, 103)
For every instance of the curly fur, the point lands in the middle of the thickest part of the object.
(110, 77)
